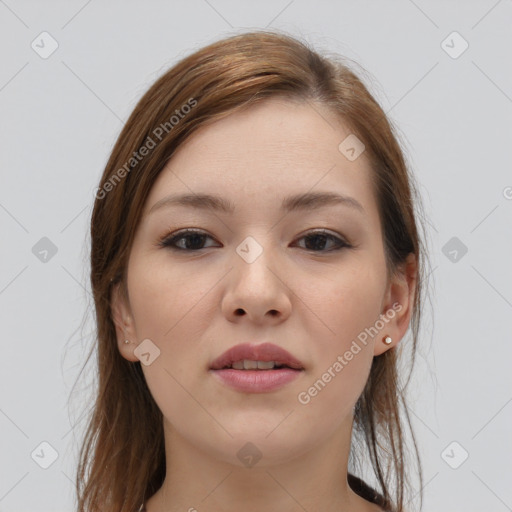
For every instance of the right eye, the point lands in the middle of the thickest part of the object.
(193, 238)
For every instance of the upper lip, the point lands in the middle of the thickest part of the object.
(254, 352)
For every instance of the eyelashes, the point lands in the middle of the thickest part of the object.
(187, 234)
(196, 237)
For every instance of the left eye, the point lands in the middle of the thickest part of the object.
(321, 238)
(195, 238)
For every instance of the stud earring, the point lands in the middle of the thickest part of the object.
(127, 341)
(387, 340)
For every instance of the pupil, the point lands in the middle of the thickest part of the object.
(316, 246)
(193, 239)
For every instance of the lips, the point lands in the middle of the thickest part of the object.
(253, 352)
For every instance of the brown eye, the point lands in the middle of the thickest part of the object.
(317, 241)
(194, 240)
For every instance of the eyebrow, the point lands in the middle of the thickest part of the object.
(298, 202)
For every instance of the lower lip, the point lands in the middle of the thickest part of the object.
(256, 381)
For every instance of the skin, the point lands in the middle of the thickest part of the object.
(195, 305)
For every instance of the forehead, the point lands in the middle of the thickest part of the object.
(270, 150)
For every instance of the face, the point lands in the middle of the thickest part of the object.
(308, 279)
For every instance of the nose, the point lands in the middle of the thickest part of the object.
(257, 291)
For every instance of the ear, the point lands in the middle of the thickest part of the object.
(123, 321)
(398, 305)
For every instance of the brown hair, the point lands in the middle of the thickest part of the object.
(122, 458)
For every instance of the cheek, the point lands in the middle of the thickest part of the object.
(169, 308)
(166, 300)
(346, 309)
(346, 304)
(173, 310)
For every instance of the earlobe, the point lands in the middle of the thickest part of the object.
(398, 306)
(123, 322)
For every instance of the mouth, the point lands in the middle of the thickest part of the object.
(256, 368)
(247, 364)
(262, 357)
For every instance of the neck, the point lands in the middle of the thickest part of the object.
(314, 480)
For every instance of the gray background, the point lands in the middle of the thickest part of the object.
(60, 116)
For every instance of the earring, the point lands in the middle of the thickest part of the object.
(387, 340)
(127, 341)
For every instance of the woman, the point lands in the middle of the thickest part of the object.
(255, 265)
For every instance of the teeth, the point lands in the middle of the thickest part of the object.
(247, 364)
